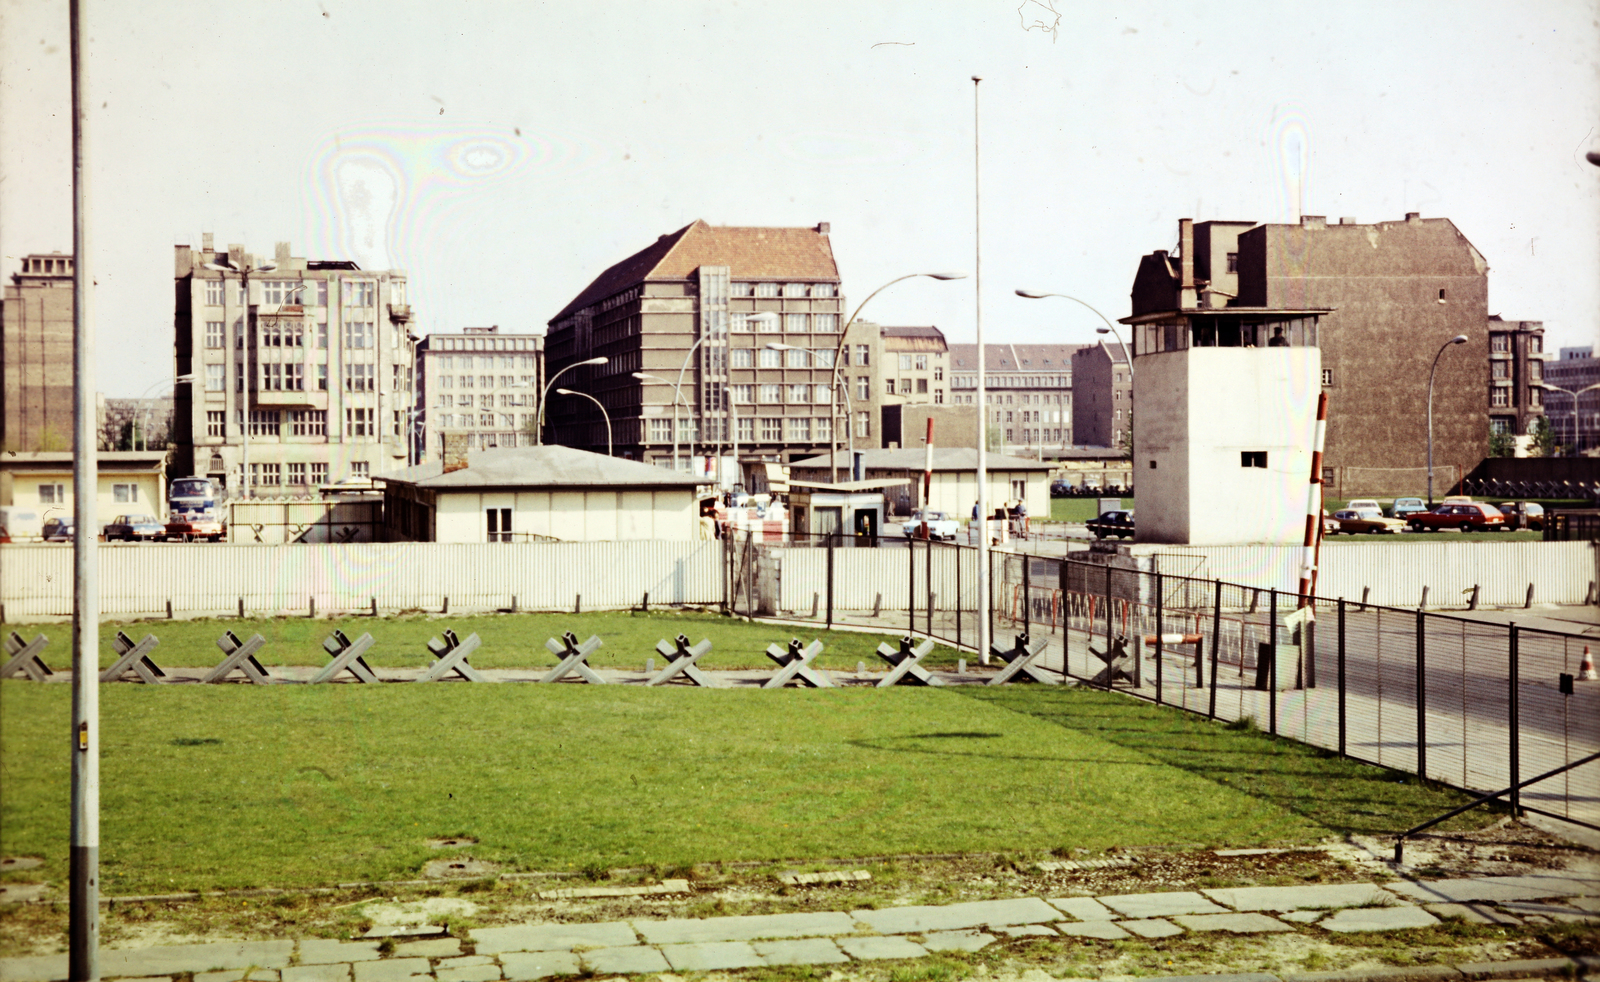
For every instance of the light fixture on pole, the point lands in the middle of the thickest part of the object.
(573, 392)
(1458, 339)
(677, 395)
(247, 346)
(144, 427)
(538, 423)
(760, 317)
(1110, 328)
(1577, 419)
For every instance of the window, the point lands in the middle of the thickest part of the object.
(799, 429)
(1535, 344)
(741, 289)
(1327, 376)
(214, 379)
(795, 323)
(863, 424)
(822, 357)
(271, 378)
(822, 289)
(1500, 396)
(265, 422)
(922, 386)
(770, 325)
(863, 355)
(319, 473)
(1499, 370)
(52, 494)
(213, 334)
(216, 423)
(280, 291)
(797, 358)
(799, 394)
(771, 429)
(322, 378)
(739, 322)
(794, 289)
(938, 397)
(498, 523)
(747, 429)
(359, 468)
(938, 373)
(1233, 262)
(358, 422)
(358, 378)
(1499, 342)
(322, 336)
(863, 387)
(358, 335)
(905, 363)
(124, 493)
(741, 357)
(466, 401)
(905, 386)
(308, 422)
(824, 323)
(888, 386)
(1253, 458)
(766, 289)
(822, 426)
(359, 293)
(771, 358)
(743, 395)
(1008, 435)
(269, 475)
(771, 394)
(1535, 371)
(214, 293)
(486, 419)
(922, 363)
(297, 474)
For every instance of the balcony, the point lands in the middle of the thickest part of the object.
(400, 313)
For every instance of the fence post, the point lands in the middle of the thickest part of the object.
(929, 617)
(958, 595)
(911, 586)
(1341, 678)
(1272, 667)
(1109, 681)
(831, 538)
(1027, 596)
(1216, 645)
(1160, 627)
(1516, 724)
(1422, 697)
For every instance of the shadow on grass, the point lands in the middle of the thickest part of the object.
(1341, 794)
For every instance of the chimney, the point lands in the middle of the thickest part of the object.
(823, 228)
(1313, 221)
(281, 253)
(1186, 294)
(1347, 221)
(1413, 216)
(207, 242)
(455, 452)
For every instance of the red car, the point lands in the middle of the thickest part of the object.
(1474, 516)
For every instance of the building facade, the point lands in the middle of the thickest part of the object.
(1029, 394)
(302, 378)
(1102, 381)
(688, 363)
(36, 355)
(1576, 423)
(1396, 292)
(1516, 378)
(483, 383)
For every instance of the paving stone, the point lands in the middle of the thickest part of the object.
(1104, 930)
(1319, 896)
(316, 951)
(173, 959)
(468, 973)
(1526, 968)
(524, 966)
(744, 928)
(1142, 905)
(712, 956)
(1302, 916)
(465, 961)
(1027, 931)
(1585, 903)
(239, 975)
(391, 970)
(326, 972)
(1535, 886)
(873, 949)
(553, 937)
(1471, 913)
(34, 968)
(21, 893)
(1242, 923)
(153, 978)
(1379, 919)
(1235, 977)
(630, 960)
(1413, 973)
(1083, 908)
(1153, 927)
(1556, 912)
(805, 951)
(430, 948)
(953, 917)
(956, 940)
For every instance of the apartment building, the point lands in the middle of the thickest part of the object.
(1029, 394)
(1517, 396)
(36, 355)
(696, 373)
(1102, 412)
(481, 382)
(1576, 421)
(303, 370)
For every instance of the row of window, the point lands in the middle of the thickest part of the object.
(301, 422)
(292, 334)
(56, 494)
(1035, 436)
(1502, 370)
(1501, 397)
(485, 381)
(744, 323)
(291, 377)
(296, 474)
(312, 293)
(449, 421)
(486, 401)
(1028, 416)
(813, 290)
(481, 344)
(1015, 381)
(918, 363)
(771, 429)
(450, 363)
(1502, 342)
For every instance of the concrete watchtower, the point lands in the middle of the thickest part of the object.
(1225, 402)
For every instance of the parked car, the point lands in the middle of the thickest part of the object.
(1117, 523)
(1357, 504)
(1471, 517)
(134, 528)
(1059, 488)
(1355, 521)
(58, 530)
(1405, 507)
(940, 525)
(1531, 515)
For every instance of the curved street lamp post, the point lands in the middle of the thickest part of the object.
(1458, 339)
(144, 427)
(574, 392)
(538, 428)
(1577, 419)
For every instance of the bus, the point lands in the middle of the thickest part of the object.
(192, 511)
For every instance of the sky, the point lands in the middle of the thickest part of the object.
(505, 153)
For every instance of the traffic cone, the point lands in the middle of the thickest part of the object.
(1586, 671)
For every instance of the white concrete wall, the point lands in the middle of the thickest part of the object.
(571, 516)
(1198, 411)
(955, 492)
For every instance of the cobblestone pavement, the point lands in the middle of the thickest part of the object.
(841, 938)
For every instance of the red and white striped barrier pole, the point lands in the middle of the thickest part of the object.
(1313, 538)
(927, 483)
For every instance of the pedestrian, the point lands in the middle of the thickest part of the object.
(1022, 516)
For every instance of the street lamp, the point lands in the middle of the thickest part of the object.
(760, 317)
(1458, 339)
(244, 383)
(677, 395)
(538, 427)
(144, 428)
(838, 358)
(573, 392)
(1110, 328)
(1577, 420)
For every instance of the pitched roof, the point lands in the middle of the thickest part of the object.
(944, 459)
(1017, 357)
(802, 254)
(539, 467)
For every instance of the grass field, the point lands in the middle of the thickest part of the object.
(226, 786)
(509, 640)
(1078, 509)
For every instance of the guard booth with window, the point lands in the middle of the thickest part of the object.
(851, 511)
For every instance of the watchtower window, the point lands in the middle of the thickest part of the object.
(1253, 458)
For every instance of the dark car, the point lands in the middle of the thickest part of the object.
(1473, 516)
(1060, 488)
(135, 528)
(1117, 523)
(1404, 508)
(1523, 515)
(58, 530)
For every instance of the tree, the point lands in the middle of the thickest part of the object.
(1544, 439)
(1502, 444)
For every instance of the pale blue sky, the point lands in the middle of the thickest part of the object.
(504, 153)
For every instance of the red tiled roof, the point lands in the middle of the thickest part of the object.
(799, 254)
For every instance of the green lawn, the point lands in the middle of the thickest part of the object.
(1078, 509)
(228, 786)
(509, 640)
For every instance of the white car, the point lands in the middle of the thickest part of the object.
(940, 525)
